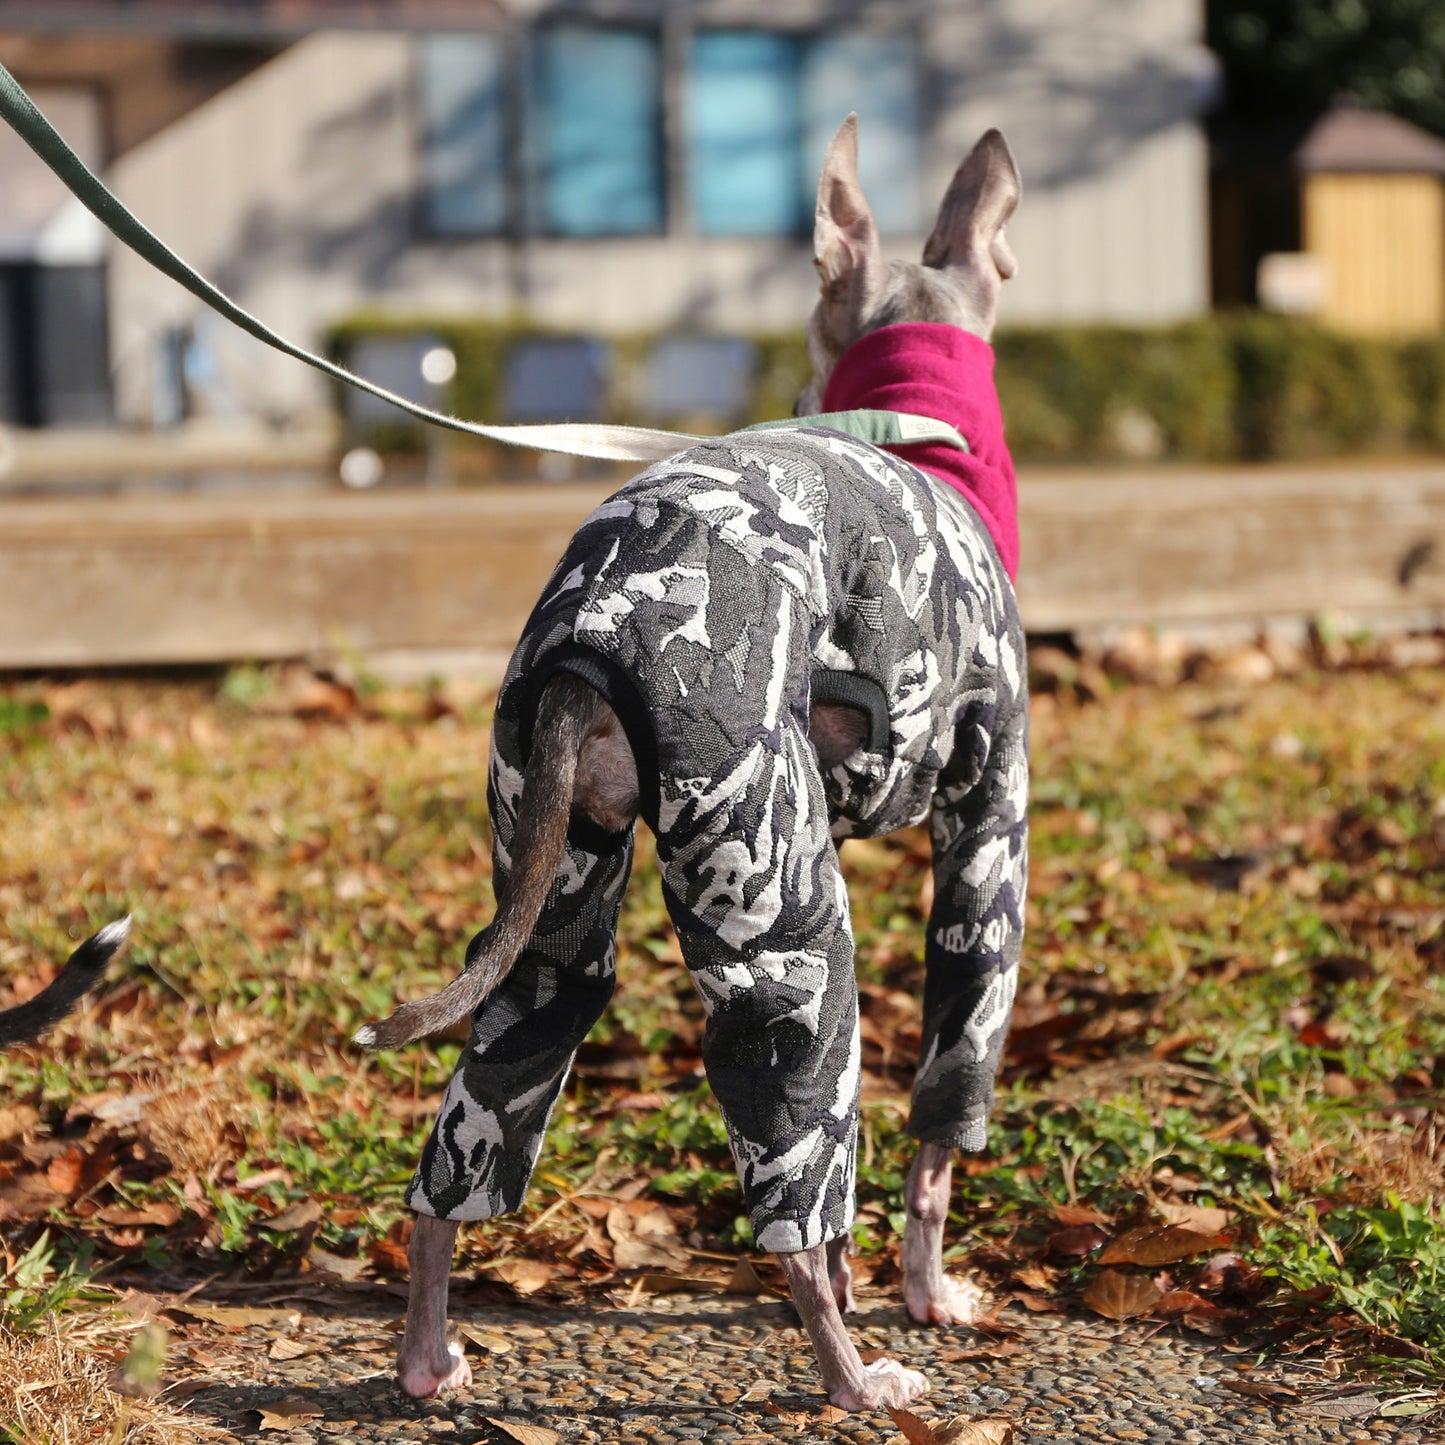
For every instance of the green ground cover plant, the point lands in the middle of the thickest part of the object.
(1220, 1103)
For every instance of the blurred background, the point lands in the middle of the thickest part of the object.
(1232, 252)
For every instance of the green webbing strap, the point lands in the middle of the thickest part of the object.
(580, 439)
(880, 428)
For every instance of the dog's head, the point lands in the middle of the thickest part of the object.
(965, 262)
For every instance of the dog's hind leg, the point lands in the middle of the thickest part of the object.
(975, 936)
(850, 1383)
(428, 1364)
(932, 1296)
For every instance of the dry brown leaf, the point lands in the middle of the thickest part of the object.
(234, 1317)
(283, 1414)
(999, 1350)
(1198, 1217)
(986, 1430)
(1119, 1296)
(162, 1212)
(827, 1415)
(746, 1280)
(285, 1348)
(526, 1434)
(526, 1276)
(15, 1119)
(915, 1431)
(298, 1216)
(1271, 1390)
(324, 1262)
(492, 1341)
(389, 1256)
(679, 1284)
(1342, 1407)
(644, 1236)
(1184, 1302)
(1156, 1244)
(1073, 1215)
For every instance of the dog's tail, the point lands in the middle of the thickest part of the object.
(564, 715)
(81, 973)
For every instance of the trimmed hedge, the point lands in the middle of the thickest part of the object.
(1228, 387)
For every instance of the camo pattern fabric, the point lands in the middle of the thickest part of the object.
(710, 592)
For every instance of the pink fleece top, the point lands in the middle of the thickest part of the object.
(935, 370)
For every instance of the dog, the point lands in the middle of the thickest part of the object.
(763, 645)
(83, 970)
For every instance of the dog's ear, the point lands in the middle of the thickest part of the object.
(845, 239)
(980, 200)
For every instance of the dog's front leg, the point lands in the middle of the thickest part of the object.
(932, 1297)
(849, 1383)
(427, 1364)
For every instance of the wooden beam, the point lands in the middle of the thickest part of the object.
(170, 579)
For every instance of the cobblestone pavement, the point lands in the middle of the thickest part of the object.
(730, 1371)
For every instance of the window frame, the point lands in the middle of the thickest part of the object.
(805, 37)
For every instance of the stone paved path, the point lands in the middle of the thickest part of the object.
(730, 1371)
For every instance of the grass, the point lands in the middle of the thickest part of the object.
(1233, 999)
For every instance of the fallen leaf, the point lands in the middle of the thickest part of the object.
(526, 1276)
(1342, 1407)
(915, 1431)
(1198, 1217)
(492, 1341)
(1077, 1240)
(162, 1213)
(1156, 1244)
(298, 1216)
(234, 1317)
(526, 1434)
(284, 1348)
(1073, 1215)
(283, 1414)
(1119, 1296)
(336, 1265)
(826, 1415)
(389, 1256)
(261, 1180)
(746, 1280)
(644, 1236)
(1185, 1302)
(986, 1430)
(679, 1284)
(1271, 1390)
(15, 1119)
(999, 1350)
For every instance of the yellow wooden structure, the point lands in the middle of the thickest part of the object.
(1381, 240)
(1361, 192)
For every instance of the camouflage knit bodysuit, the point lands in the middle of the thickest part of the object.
(710, 600)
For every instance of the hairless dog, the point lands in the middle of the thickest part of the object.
(762, 646)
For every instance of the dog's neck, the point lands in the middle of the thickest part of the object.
(939, 371)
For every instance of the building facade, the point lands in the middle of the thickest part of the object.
(600, 166)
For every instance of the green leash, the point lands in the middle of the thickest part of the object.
(580, 439)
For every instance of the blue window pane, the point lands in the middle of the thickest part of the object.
(876, 75)
(464, 133)
(556, 379)
(744, 134)
(699, 376)
(595, 128)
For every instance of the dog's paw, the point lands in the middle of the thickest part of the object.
(422, 1383)
(949, 1301)
(885, 1383)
